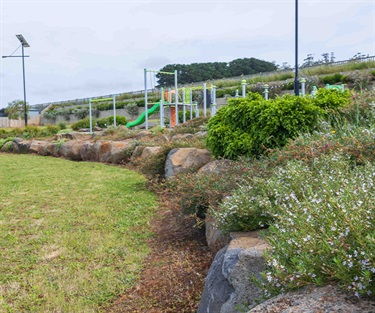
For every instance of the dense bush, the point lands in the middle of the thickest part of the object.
(331, 100)
(248, 126)
(187, 115)
(84, 123)
(120, 120)
(332, 79)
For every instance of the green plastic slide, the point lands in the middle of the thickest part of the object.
(142, 118)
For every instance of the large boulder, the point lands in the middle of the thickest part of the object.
(119, 152)
(215, 238)
(87, 151)
(73, 136)
(23, 145)
(53, 149)
(103, 149)
(182, 160)
(228, 288)
(99, 151)
(143, 135)
(137, 152)
(216, 166)
(38, 147)
(148, 151)
(71, 150)
(10, 146)
(182, 137)
(310, 299)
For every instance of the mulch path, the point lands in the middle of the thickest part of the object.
(173, 276)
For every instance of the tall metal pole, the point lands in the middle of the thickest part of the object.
(204, 99)
(296, 84)
(114, 110)
(176, 94)
(146, 112)
(24, 86)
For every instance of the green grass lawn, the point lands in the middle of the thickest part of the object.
(72, 235)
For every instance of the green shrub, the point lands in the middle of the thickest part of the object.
(5, 140)
(50, 130)
(325, 226)
(332, 79)
(248, 126)
(62, 125)
(373, 74)
(29, 132)
(120, 120)
(187, 115)
(331, 100)
(102, 122)
(84, 123)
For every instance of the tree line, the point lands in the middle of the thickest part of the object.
(198, 72)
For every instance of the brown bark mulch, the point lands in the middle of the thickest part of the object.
(173, 276)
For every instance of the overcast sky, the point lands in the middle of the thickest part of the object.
(82, 49)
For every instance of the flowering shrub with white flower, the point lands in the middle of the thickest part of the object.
(324, 229)
(247, 209)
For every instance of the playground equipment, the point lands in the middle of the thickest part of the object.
(337, 87)
(172, 100)
(101, 100)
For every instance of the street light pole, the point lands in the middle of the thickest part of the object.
(23, 56)
(296, 83)
(24, 85)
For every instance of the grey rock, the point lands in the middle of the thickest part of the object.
(216, 166)
(87, 151)
(143, 134)
(217, 289)
(185, 159)
(230, 289)
(200, 134)
(148, 151)
(215, 238)
(23, 145)
(84, 130)
(311, 299)
(10, 147)
(53, 149)
(182, 137)
(71, 150)
(73, 136)
(137, 153)
(39, 147)
(118, 151)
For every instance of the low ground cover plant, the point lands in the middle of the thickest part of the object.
(324, 229)
(30, 132)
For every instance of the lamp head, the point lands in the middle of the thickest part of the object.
(22, 40)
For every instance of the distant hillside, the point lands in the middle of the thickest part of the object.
(198, 72)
